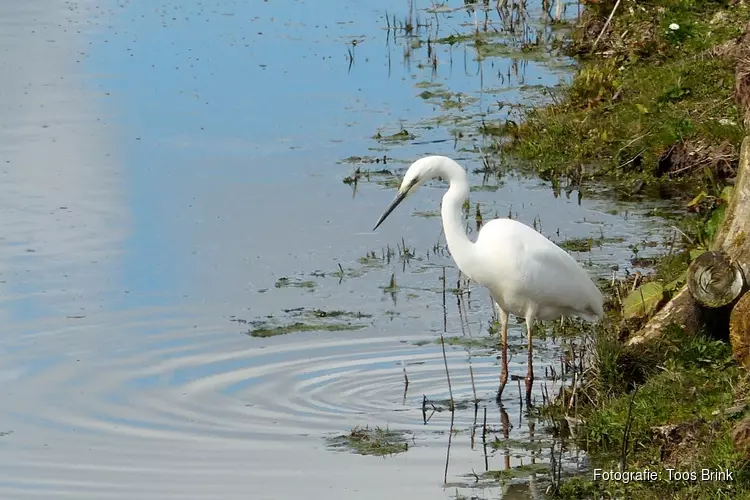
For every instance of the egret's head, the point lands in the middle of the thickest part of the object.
(418, 173)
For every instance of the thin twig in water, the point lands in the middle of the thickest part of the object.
(484, 440)
(474, 426)
(445, 310)
(562, 380)
(450, 439)
(447, 373)
(473, 387)
(424, 409)
(520, 395)
(442, 344)
(406, 380)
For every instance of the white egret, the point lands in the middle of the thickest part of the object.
(526, 274)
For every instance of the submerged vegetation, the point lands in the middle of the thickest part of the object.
(366, 441)
(307, 320)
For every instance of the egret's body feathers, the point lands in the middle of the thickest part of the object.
(546, 279)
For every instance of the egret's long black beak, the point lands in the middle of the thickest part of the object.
(399, 198)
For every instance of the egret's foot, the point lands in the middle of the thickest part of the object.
(503, 381)
(529, 385)
(499, 396)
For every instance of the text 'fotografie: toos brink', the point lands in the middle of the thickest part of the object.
(723, 475)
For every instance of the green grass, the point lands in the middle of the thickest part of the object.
(694, 378)
(687, 386)
(655, 89)
(683, 412)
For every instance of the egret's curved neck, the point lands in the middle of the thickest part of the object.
(461, 248)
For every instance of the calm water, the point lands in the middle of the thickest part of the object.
(164, 164)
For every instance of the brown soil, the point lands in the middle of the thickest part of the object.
(683, 157)
(680, 442)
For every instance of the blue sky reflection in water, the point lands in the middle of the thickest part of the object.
(163, 165)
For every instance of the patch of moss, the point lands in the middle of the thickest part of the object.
(298, 327)
(586, 244)
(366, 441)
(516, 472)
(484, 342)
(308, 320)
(528, 51)
(380, 175)
(516, 444)
(285, 282)
(401, 135)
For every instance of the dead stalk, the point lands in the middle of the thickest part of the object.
(473, 387)
(447, 373)
(606, 25)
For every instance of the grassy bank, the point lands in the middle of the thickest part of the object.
(655, 103)
(678, 404)
(673, 405)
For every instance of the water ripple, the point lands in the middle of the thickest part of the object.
(198, 403)
(228, 388)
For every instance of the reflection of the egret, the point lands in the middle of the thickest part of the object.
(505, 420)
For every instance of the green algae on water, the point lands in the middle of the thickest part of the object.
(308, 320)
(367, 441)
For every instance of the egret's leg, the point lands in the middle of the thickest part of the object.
(530, 373)
(503, 317)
